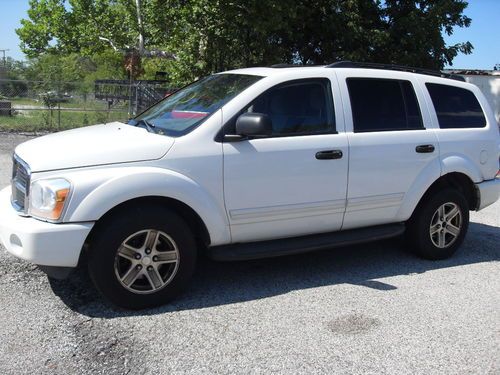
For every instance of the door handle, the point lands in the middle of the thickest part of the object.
(329, 154)
(422, 149)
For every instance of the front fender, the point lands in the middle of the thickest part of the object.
(106, 188)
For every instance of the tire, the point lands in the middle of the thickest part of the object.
(142, 257)
(429, 236)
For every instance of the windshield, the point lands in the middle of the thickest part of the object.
(187, 108)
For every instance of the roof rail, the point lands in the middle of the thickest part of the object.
(401, 68)
(293, 66)
(285, 65)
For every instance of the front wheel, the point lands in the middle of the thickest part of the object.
(439, 225)
(143, 257)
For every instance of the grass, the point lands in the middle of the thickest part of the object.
(31, 115)
(47, 120)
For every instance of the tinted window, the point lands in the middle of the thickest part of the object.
(383, 105)
(456, 107)
(297, 108)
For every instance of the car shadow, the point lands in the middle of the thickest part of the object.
(217, 283)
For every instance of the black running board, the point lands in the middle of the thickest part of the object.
(303, 244)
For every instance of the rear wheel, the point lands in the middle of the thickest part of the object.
(143, 257)
(439, 225)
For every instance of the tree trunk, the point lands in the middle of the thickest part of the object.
(140, 46)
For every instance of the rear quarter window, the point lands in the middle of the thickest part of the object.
(456, 107)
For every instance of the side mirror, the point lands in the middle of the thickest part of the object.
(254, 125)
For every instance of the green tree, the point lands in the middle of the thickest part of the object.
(12, 84)
(414, 32)
(213, 35)
(62, 26)
(14, 69)
(74, 67)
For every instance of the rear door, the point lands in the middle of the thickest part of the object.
(293, 182)
(390, 147)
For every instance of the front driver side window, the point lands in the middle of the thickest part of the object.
(300, 107)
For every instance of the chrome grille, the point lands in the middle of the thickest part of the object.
(20, 184)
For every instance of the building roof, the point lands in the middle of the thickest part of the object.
(473, 72)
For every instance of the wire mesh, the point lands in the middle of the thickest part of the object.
(53, 106)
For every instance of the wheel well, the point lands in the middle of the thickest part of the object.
(458, 181)
(187, 213)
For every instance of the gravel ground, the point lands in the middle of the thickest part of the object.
(367, 309)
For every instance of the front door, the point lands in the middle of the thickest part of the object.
(294, 182)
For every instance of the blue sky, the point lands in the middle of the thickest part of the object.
(484, 32)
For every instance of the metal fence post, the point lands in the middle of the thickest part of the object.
(58, 116)
(130, 97)
(137, 87)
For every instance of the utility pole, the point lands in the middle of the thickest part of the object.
(4, 60)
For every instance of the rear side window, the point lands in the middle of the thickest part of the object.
(456, 107)
(383, 105)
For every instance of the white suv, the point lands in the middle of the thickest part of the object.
(253, 163)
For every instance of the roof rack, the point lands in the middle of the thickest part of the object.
(401, 68)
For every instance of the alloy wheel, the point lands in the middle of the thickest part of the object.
(446, 224)
(146, 261)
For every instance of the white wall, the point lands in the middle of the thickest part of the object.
(490, 86)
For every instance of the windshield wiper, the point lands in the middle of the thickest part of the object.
(150, 127)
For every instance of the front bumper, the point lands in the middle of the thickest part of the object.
(41, 243)
(488, 191)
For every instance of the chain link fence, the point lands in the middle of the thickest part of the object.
(52, 106)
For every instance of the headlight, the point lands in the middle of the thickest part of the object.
(48, 198)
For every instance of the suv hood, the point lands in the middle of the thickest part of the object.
(93, 145)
